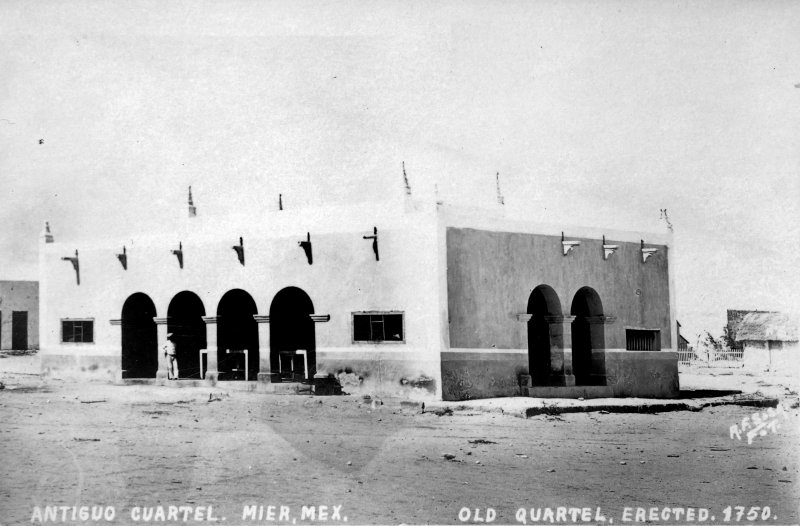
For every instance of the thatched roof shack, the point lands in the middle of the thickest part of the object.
(762, 326)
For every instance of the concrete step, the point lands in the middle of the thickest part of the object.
(139, 381)
(574, 391)
(229, 385)
(285, 388)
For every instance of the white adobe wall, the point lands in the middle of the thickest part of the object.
(344, 278)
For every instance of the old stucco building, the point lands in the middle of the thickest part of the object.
(407, 297)
(19, 315)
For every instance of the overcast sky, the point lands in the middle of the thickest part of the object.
(595, 113)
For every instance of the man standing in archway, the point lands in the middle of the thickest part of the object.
(172, 359)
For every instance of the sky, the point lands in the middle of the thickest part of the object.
(594, 113)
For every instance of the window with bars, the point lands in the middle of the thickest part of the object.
(77, 331)
(642, 340)
(378, 327)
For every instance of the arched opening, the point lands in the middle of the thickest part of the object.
(237, 331)
(542, 302)
(291, 330)
(587, 333)
(185, 322)
(139, 337)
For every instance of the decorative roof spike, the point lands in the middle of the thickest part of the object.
(500, 199)
(192, 208)
(46, 234)
(405, 180)
(665, 217)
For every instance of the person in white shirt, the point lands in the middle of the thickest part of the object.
(172, 359)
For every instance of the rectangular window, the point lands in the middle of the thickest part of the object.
(77, 331)
(378, 327)
(642, 340)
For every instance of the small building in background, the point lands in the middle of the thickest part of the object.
(685, 351)
(19, 315)
(768, 339)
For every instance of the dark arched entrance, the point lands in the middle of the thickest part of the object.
(139, 337)
(587, 333)
(291, 328)
(542, 302)
(185, 322)
(237, 330)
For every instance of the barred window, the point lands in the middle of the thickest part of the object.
(77, 331)
(642, 340)
(378, 327)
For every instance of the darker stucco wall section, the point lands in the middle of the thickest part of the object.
(490, 276)
(468, 376)
(643, 374)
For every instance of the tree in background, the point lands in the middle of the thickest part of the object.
(714, 349)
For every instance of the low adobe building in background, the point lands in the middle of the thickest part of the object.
(768, 340)
(406, 297)
(19, 315)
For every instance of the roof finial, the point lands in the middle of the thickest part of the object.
(405, 180)
(192, 208)
(46, 234)
(500, 199)
(665, 217)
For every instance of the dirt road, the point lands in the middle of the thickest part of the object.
(136, 448)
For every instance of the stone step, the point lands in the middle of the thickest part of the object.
(230, 385)
(139, 381)
(285, 388)
(573, 391)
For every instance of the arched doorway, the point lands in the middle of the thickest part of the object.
(185, 322)
(542, 302)
(291, 329)
(587, 333)
(237, 330)
(139, 337)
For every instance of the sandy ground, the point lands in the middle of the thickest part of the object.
(67, 444)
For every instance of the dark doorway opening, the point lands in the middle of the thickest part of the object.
(291, 330)
(19, 330)
(185, 322)
(587, 333)
(542, 302)
(139, 337)
(237, 331)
